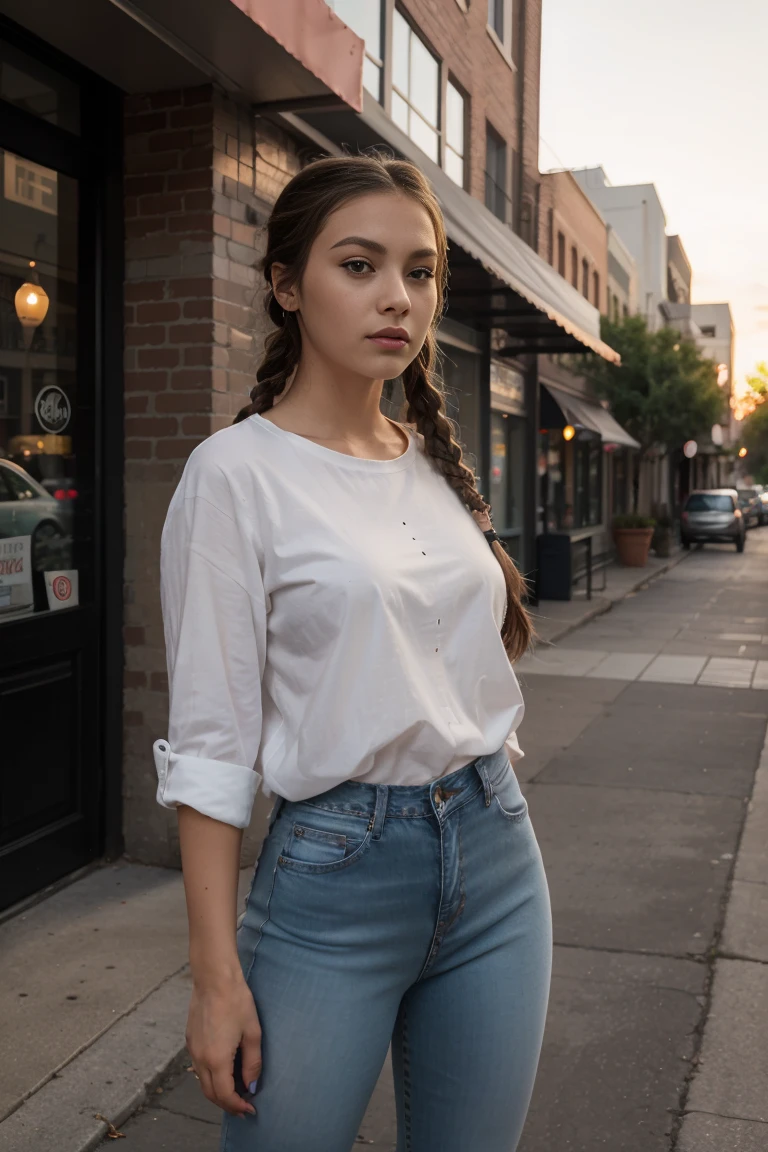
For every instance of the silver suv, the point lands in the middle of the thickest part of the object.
(713, 517)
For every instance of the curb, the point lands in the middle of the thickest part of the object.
(113, 1077)
(608, 604)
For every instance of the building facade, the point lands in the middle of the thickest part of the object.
(635, 211)
(141, 157)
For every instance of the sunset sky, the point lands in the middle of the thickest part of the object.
(673, 92)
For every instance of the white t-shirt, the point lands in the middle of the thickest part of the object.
(327, 618)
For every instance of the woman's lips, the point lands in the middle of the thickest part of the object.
(391, 342)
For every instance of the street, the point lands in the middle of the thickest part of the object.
(643, 732)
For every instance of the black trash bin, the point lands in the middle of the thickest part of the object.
(553, 556)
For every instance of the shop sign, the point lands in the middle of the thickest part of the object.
(507, 388)
(61, 588)
(15, 570)
(30, 184)
(53, 409)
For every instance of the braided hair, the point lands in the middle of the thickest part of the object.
(299, 214)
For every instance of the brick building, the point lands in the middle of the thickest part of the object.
(144, 146)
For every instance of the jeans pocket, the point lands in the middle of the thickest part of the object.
(508, 796)
(309, 849)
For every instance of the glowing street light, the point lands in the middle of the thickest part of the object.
(569, 432)
(742, 452)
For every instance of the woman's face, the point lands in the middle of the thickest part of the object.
(368, 294)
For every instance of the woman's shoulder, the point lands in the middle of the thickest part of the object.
(217, 466)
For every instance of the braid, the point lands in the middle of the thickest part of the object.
(282, 349)
(426, 408)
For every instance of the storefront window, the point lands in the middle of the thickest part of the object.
(571, 478)
(507, 472)
(39, 479)
(460, 371)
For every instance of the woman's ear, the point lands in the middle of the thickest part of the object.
(286, 295)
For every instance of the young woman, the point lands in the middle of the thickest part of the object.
(339, 631)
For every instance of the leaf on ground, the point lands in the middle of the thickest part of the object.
(112, 1132)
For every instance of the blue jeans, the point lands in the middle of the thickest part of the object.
(418, 916)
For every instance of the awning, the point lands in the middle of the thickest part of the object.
(582, 413)
(297, 52)
(517, 291)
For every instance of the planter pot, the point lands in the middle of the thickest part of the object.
(662, 542)
(632, 546)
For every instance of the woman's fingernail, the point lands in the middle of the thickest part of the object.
(252, 1086)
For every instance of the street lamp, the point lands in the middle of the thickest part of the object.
(31, 303)
(569, 432)
(742, 452)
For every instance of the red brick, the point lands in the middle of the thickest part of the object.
(129, 314)
(158, 312)
(145, 122)
(186, 401)
(138, 450)
(143, 226)
(198, 355)
(200, 286)
(170, 141)
(145, 334)
(197, 158)
(134, 105)
(191, 222)
(143, 185)
(190, 378)
(159, 205)
(136, 404)
(133, 719)
(198, 309)
(191, 117)
(199, 201)
(146, 290)
(189, 181)
(173, 98)
(158, 681)
(196, 425)
(176, 449)
(189, 333)
(146, 381)
(151, 426)
(134, 679)
(144, 164)
(158, 357)
(200, 95)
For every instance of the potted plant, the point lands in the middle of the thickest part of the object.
(632, 536)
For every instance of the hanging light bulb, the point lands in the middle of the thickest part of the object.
(569, 432)
(31, 303)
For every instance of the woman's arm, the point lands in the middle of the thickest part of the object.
(222, 1014)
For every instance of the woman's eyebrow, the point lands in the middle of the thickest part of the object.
(374, 246)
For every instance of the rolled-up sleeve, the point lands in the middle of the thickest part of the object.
(214, 619)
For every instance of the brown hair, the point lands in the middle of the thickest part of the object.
(300, 212)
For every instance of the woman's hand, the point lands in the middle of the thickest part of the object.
(221, 1020)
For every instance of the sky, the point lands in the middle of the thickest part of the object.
(674, 93)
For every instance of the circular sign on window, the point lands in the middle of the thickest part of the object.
(61, 587)
(52, 408)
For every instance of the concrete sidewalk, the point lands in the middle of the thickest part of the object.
(658, 870)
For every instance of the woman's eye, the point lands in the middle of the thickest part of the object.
(357, 266)
(423, 273)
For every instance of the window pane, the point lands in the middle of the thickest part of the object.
(424, 136)
(37, 89)
(401, 36)
(400, 112)
(499, 472)
(372, 78)
(423, 92)
(454, 120)
(45, 527)
(364, 18)
(454, 166)
(496, 17)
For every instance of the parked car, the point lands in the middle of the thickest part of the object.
(27, 509)
(713, 516)
(751, 507)
(764, 507)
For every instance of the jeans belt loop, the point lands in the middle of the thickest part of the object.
(382, 794)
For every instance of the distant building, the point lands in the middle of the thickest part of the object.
(622, 278)
(678, 272)
(635, 212)
(717, 338)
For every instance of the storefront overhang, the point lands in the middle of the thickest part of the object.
(582, 413)
(295, 53)
(497, 280)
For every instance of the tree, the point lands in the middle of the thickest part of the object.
(755, 424)
(664, 392)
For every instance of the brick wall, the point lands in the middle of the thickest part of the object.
(566, 209)
(199, 183)
(460, 38)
